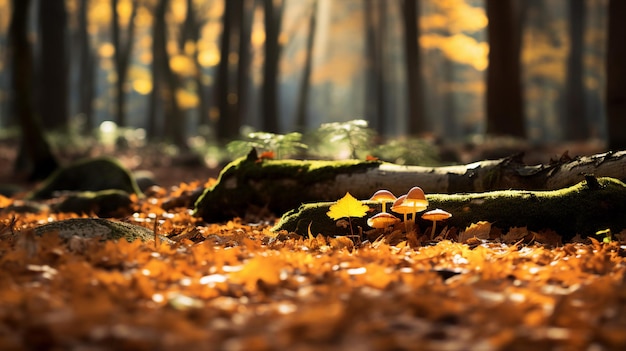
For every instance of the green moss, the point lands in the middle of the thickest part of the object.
(577, 209)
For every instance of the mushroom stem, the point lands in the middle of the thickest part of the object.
(432, 233)
(406, 226)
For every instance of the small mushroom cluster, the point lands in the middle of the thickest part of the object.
(413, 202)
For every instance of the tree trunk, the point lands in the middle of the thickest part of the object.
(155, 113)
(174, 119)
(616, 76)
(34, 149)
(246, 12)
(86, 68)
(123, 50)
(227, 126)
(53, 67)
(281, 185)
(375, 108)
(575, 121)
(305, 83)
(417, 124)
(273, 18)
(505, 112)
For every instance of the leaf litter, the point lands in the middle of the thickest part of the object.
(240, 286)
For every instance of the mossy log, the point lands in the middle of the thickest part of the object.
(589, 206)
(281, 185)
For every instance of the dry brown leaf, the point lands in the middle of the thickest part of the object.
(478, 230)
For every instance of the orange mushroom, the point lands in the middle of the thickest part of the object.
(382, 220)
(400, 207)
(417, 200)
(383, 196)
(434, 216)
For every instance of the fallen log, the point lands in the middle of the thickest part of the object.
(585, 208)
(281, 185)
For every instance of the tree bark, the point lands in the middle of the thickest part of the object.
(53, 67)
(375, 96)
(123, 50)
(584, 208)
(35, 152)
(227, 124)
(575, 121)
(281, 185)
(305, 83)
(616, 76)
(417, 124)
(505, 112)
(273, 13)
(86, 69)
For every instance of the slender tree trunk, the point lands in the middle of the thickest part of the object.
(35, 152)
(616, 75)
(174, 119)
(191, 33)
(305, 83)
(53, 69)
(243, 66)
(574, 121)
(373, 64)
(381, 95)
(155, 113)
(505, 113)
(122, 59)
(226, 129)
(417, 124)
(273, 11)
(86, 68)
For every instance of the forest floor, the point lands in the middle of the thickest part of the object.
(239, 286)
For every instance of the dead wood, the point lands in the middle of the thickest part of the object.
(281, 185)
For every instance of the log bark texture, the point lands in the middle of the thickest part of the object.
(584, 208)
(281, 185)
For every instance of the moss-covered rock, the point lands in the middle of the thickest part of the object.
(92, 174)
(104, 203)
(98, 228)
(584, 208)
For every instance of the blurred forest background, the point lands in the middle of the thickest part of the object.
(208, 71)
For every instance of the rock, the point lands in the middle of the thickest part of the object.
(104, 203)
(99, 228)
(94, 174)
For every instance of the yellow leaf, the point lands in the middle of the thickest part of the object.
(347, 206)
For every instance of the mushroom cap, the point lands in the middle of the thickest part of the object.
(383, 196)
(382, 220)
(416, 198)
(399, 206)
(436, 215)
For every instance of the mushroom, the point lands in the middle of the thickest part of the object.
(417, 200)
(400, 207)
(382, 220)
(434, 216)
(383, 196)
